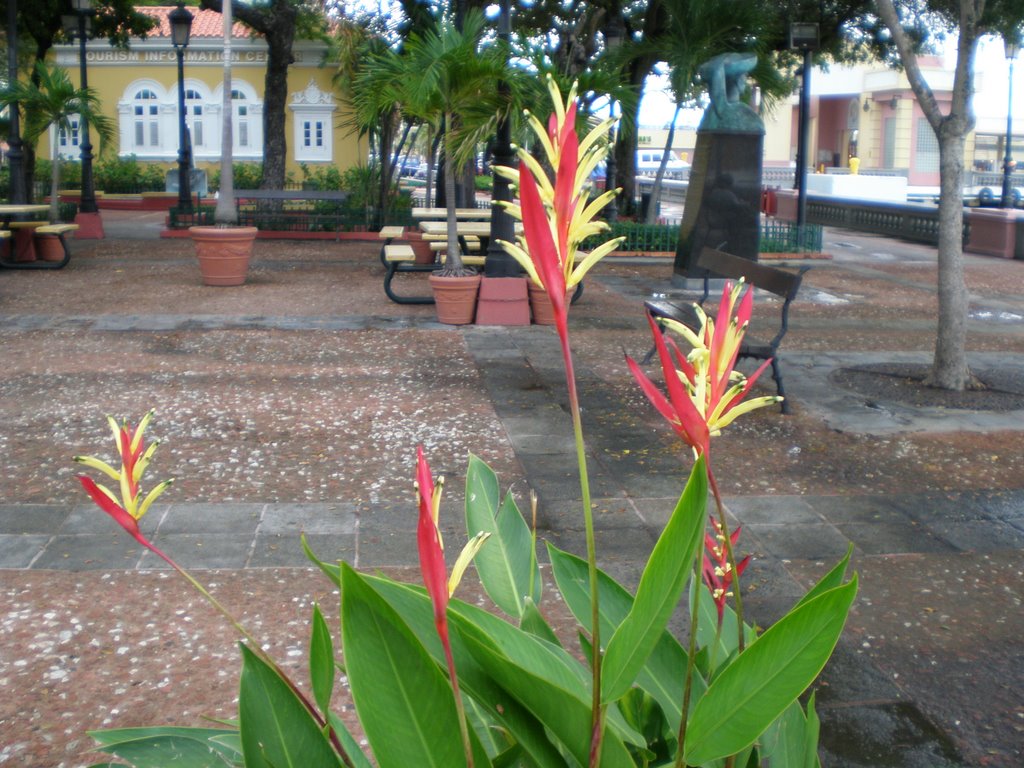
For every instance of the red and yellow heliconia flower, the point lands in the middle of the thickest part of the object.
(718, 572)
(439, 585)
(135, 457)
(558, 215)
(705, 392)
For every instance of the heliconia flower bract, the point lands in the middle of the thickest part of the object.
(431, 550)
(705, 393)
(556, 215)
(718, 573)
(131, 506)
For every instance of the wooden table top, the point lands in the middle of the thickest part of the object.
(20, 208)
(460, 213)
(477, 228)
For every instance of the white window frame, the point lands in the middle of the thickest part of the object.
(313, 124)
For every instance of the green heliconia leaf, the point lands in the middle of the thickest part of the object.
(321, 661)
(413, 605)
(660, 589)
(663, 675)
(277, 730)
(333, 572)
(404, 701)
(535, 623)
(785, 740)
(830, 580)
(354, 752)
(767, 677)
(167, 746)
(565, 712)
(507, 564)
(812, 732)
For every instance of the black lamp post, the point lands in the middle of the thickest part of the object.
(498, 263)
(87, 203)
(181, 28)
(15, 155)
(613, 36)
(803, 37)
(1012, 46)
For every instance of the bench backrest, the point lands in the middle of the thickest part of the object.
(778, 281)
(290, 194)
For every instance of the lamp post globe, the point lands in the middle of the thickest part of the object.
(181, 29)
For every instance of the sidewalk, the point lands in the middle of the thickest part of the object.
(283, 404)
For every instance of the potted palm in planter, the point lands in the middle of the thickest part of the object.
(223, 250)
(446, 79)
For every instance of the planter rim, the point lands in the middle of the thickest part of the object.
(204, 229)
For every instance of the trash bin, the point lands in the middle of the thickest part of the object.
(645, 203)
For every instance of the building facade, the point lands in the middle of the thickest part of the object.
(138, 88)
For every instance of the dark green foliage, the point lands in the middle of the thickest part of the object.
(126, 175)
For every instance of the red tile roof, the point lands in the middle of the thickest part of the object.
(204, 23)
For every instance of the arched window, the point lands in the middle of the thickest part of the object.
(69, 141)
(194, 116)
(146, 119)
(240, 119)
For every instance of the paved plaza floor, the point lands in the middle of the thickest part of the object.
(294, 404)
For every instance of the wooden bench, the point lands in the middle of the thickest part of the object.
(719, 264)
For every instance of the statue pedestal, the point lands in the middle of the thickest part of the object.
(723, 202)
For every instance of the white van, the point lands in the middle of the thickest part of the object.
(649, 160)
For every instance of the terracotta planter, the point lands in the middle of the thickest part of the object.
(223, 253)
(540, 305)
(49, 248)
(420, 248)
(455, 298)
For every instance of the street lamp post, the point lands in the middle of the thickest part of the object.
(1012, 46)
(88, 219)
(15, 155)
(803, 37)
(181, 28)
(499, 263)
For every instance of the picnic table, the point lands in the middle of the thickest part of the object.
(19, 225)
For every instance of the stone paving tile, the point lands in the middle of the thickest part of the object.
(19, 550)
(31, 518)
(89, 551)
(309, 518)
(237, 519)
(201, 550)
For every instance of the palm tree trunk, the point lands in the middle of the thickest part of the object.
(226, 212)
(454, 263)
(55, 184)
(652, 204)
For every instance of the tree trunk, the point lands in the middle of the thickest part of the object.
(226, 212)
(949, 366)
(652, 204)
(275, 98)
(453, 265)
(55, 185)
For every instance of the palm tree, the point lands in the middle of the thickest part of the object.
(445, 77)
(54, 101)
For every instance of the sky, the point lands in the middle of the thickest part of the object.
(990, 101)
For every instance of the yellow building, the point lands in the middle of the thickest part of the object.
(138, 88)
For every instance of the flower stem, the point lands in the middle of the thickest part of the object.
(691, 661)
(737, 592)
(597, 711)
(460, 709)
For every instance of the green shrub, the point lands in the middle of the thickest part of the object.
(247, 176)
(126, 175)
